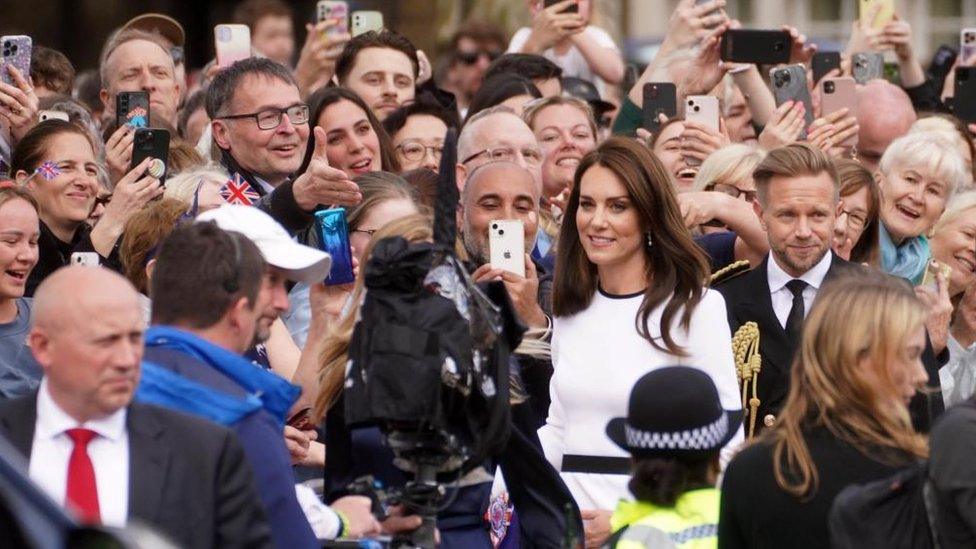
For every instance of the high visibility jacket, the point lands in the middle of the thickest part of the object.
(691, 524)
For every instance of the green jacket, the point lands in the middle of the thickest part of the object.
(691, 524)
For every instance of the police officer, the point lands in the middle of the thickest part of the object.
(674, 430)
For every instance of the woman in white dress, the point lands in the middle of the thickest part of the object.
(629, 296)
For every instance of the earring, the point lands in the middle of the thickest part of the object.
(650, 241)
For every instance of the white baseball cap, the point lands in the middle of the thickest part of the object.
(300, 262)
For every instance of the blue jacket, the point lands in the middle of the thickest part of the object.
(179, 370)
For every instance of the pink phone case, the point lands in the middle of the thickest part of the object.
(334, 9)
(16, 51)
(836, 94)
(233, 43)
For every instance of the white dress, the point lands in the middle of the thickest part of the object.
(597, 358)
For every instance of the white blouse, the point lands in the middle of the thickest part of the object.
(597, 358)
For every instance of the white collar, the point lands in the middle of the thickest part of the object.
(52, 420)
(814, 277)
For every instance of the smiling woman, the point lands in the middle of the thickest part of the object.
(919, 174)
(628, 297)
(356, 142)
(19, 231)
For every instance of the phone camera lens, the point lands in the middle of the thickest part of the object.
(494, 225)
(697, 108)
(778, 46)
(691, 102)
(501, 232)
(828, 87)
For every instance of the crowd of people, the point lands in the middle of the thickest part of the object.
(728, 330)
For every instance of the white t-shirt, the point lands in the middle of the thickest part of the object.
(597, 358)
(572, 62)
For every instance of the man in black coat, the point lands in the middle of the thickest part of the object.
(109, 460)
(798, 203)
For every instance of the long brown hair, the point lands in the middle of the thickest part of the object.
(332, 370)
(677, 268)
(841, 380)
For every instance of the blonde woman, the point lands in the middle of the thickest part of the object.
(845, 421)
(954, 244)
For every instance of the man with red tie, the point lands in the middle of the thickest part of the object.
(111, 460)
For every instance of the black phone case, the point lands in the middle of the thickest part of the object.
(132, 107)
(150, 142)
(964, 98)
(659, 98)
(571, 9)
(765, 47)
(824, 62)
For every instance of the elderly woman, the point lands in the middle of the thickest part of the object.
(919, 174)
(953, 244)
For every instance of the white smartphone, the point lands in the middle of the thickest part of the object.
(967, 44)
(85, 259)
(702, 109)
(233, 43)
(506, 245)
(333, 9)
(52, 115)
(365, 21)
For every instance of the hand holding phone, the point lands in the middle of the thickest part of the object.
(659, 98)
(132, 108)
(932, 271)
(964, 98)
(967, 46)
(790, 84)
(573, 8)
(837, 94)
(876, 14)
(15, 51)
(867, 66)
(151, 143)
(335, 10)
(766, 47)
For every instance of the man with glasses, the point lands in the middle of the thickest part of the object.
(474, 46)
(497, 134)
(260, 124)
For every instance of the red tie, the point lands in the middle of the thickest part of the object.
(82, 492)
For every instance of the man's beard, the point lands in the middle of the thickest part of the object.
(477, 255)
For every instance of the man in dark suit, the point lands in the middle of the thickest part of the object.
(797, 202)
(112, 461)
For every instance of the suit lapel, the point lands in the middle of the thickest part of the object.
(19, 423)
(148, 463)
(758, 307)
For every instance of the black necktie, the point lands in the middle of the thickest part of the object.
(794, 322)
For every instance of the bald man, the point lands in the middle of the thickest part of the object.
(496, 134)
(106, 458)
(884, 114)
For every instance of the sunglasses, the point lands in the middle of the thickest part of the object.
(471, 57)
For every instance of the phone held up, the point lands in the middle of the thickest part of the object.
(132, 109)
(823, 62)
(659, 98)
(964, 99)
(337, 10)
(836, 94)
(790, 84)
(151, 143)
(573, 8)
(867, 66)
(506, 245)
(334, 240)
(761, 47)
(233, 43)
(16, 51)
(366, 21)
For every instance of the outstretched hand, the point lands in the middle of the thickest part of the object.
(323, 184)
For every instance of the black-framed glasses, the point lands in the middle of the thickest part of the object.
(471, 57)
(856, 220)
(734, 191)
(270, 118)
(508, 154)
(413, 150)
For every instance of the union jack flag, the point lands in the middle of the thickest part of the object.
(48, 170)
(238, 191)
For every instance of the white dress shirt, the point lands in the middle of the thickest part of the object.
(109, 453)
(782, 297)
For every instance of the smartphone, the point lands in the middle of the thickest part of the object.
(659, 98)
(932, 270)
(702, 109)
(790, 84)
(16, 51)
(365, 21)
(836, 94)
(301, 419)
(132, 108)
(53, 115)
(824, 62)
(967, 44)
(233, 43)
(574, 8)
(885, 12)
(151, 143)
(334, 9)
(506, 245)
(334, 239)
(769, 47)
(867, 66)
(964, 98)
(85, 259)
